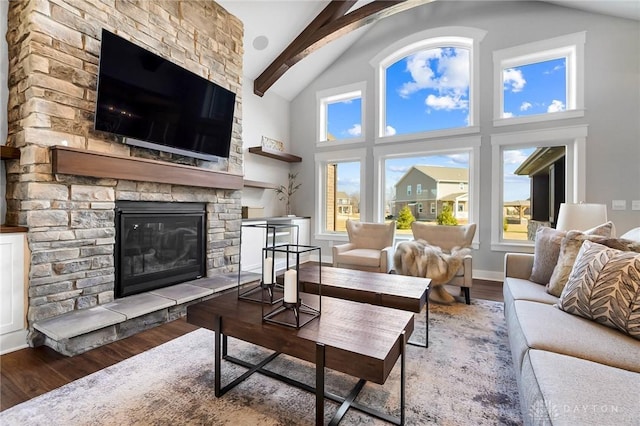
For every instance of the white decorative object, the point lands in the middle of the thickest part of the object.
(272, 144)
(290, 286)
(581, 217)
(267, 271)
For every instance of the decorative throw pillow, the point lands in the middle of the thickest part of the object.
(569, 248)
(545, 254)
(604, 285)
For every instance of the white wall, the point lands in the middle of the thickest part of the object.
(4, 96)
(264, 116)
(612, 103)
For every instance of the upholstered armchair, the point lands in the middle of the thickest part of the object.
(370, 247)
(448, 238)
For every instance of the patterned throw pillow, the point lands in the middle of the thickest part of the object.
(569, 248)
(545, 253)
(604, 285)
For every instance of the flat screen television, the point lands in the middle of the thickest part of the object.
(157, 104)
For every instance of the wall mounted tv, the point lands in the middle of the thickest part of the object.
(156, 104)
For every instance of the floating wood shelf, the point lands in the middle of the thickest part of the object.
(73, 161)
(258, 184)
(8, 229)
(282, 156)
(9, 152)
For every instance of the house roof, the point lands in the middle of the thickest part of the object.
(455, 196)
(444, 174)
(342, 195)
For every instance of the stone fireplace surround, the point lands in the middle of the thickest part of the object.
(54, 47)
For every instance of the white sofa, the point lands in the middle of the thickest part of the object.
(570, 370)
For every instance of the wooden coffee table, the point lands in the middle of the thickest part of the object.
(358, 339)
(389, 290)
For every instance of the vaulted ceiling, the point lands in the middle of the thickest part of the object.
(288, 43)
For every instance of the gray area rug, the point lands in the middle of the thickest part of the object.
(465, 377)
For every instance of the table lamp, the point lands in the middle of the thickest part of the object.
(581, 216)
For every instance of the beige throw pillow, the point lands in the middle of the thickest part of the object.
(545, 253)
(604, 285)
(569, 248)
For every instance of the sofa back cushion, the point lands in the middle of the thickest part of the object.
(371, 235)
(444, 236)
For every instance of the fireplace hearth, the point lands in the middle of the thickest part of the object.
(157, 245)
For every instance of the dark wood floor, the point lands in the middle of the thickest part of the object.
(30, 372)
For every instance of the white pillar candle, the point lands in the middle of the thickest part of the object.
(290, 286)
(267, 271)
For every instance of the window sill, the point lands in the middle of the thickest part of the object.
(513, 247)
(342, 236)
(434, 134)
(539, 118)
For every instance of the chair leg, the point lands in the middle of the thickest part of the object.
(467, 295)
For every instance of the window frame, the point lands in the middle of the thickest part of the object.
(321, 160)
(334, 95)
(572, 137)
(569, 46)
(454, 36)
(469, 144)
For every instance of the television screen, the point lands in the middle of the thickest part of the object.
(157, 104)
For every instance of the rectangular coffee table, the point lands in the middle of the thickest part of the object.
(361, 340)
(389, 290)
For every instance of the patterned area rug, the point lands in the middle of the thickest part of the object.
(464, 377)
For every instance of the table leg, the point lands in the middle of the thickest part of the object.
(319, 384)
(218, 356)
(402, 375)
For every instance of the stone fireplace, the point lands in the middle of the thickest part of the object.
(71, 212)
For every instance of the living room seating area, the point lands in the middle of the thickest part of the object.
(576, 365)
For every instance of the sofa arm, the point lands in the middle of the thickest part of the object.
(518, 265)
(341, 248)
(386, 259)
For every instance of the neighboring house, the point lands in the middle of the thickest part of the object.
(426, 189)
(343, 203)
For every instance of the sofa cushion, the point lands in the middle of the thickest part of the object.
(569, 248)
(545, 327)
(362, 257)
(604, 286)
(574, 391)
(546, 252)
(519, 289)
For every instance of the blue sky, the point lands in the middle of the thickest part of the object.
(429, 90)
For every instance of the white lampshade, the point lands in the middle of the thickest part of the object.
(581, 217)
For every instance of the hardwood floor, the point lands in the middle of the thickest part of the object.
(30, 372)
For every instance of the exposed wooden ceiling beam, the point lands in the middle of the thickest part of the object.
(329, 25)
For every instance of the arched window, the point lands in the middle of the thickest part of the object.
(427, 85)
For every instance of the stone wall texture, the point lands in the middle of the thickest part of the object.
(54, 48)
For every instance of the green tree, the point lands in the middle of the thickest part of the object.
(405, 218)
(446, 217)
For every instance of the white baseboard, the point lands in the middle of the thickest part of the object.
(13, 341)
(488, 275)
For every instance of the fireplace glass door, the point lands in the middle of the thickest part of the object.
(158, 245)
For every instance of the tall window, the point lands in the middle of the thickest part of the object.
(439, 176)
(540, 81)
(427, 84)
(535, 172)
(341, 114)
(338, 189)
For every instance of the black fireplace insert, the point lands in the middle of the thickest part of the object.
(158, 245)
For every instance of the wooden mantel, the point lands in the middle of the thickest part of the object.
(73, 161)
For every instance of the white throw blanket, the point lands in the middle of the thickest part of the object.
(418, 258)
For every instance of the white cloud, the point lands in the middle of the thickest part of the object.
(446, 102)
(507, 114)
(389, 131)
(514, 156)
(398, 169)
(514, 79)
(525, 106)
(355, 130)
(445, 71)
(556, 106)
(459, 158)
